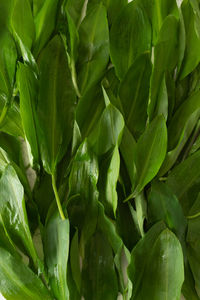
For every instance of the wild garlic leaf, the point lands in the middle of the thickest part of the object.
(130, 36)
(22, 22)
(191, 23)
(163, 61)
(93, 47)
(56, 104)
(134, 94)
(56, 248)
(28, 88)
(183, 178)
(162, 278)
(13, 212)
(18, 282)
(163, 205)
(150, 152)
(46, 15)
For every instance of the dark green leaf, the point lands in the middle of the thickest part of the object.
(93, 48)
(150, 152)
(182, 179)
(134, 93)
(163, 205)
(163, 60)
(130, 36)
(159, 274)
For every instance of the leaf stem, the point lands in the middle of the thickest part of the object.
(194, 216)
(3, 113)
(57, 197)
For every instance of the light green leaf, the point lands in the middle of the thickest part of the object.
(46, 15)
(28, 88)
(22, 22)
(56, 104)
(18, 282)
(56, 248)
(130, 36)
(13, 212)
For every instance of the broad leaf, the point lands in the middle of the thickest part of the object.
(56, 104)
(163, 205)
(192, 30)
(163, 60)
(134, 93)
(150, 152)
(56, 247)
(12, 207)
(159, 274)
(22, 22)
(130, 36)
(28, 88)
(18, 282)
(93, 48)
(183, 179)
(46, 15)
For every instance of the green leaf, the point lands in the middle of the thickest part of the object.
(89, 111)
(134, 93)
(8, 57)
(163, 60)
(150, 152)
(108, 131)
(56, 104)
(108, 181)
(46, 15)
(130, 36)
(163, 205)
(22, 22)
(99, 276)
(82, 200)
(28, 88)
(127, 149)
(56, 248)
(11, 123)
(18, 282)
(159, 274)
(192, 30)
(93, 48)
(12, 207)
(77, 10)
(193, 250)
(183, 178)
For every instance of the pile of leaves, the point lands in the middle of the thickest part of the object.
(105, 95)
